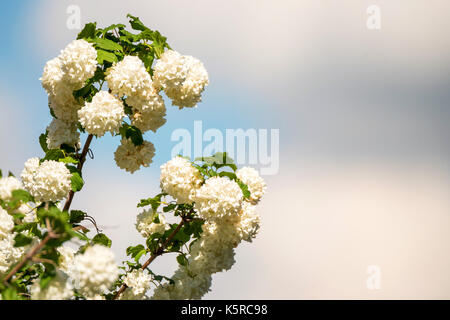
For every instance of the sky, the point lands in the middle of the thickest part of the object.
(362, 115)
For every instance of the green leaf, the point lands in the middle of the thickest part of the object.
(112, 27)
(88, 31)
(10, 293)
(1, 174)
(68, 160)
(76, 182)
(135, 23)
(83, 92)
(21, 240)
(21, 195)
(76, 216)
(53, 154)
(182, 260)
(43, 141)
(230, 175)
(133, 251)
(25, 226)
(244, 188)
(102, 239)
(169, 207)
(103, 56)
(140, 254)
(107, 44)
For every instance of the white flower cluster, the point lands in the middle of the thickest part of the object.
(59, 288)
(148, 111)
(183, 78)
(78, 62)
(61, 132)
(7, 186)
(180, 179)
(66, 73)
(94, 271)
(66, 256)
(104, 113)
(217, 198)
(48, 181)
(146, 224)
(229, 220)
(131, 157)
(138, 283)
(8, 253)
(256, 184)
(129, 78)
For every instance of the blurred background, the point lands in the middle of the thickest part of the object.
(360, 206)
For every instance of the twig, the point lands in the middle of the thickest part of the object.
(158, 252)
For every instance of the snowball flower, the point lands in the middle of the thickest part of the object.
(138, 282)
(104, 113)
(146, 226)
(66, 257)
(94, 271)
(250, 222)
(180, 179)
(60, 132)
(131, 157)
(52, 75)
(256, 184)
(129, 77)
(218, 197)
(7, 186)
(48, 181)
(64, 106)
(59, 288)
(8, 253)
(187, 286)
(6, 223)
(78, 62)
(148, 111)
(183, 78)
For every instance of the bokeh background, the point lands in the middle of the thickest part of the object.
(364, 134)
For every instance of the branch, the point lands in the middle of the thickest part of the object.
(50, 234)
(79, 167)
(29, 256)
(158, 252)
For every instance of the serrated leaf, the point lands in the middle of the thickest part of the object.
(53, 154)
(21, 240)
(182, 260)
(88, 31)
(76, 216)
(68, 160)
(76, 182)
(244, 188)
(43, 141)
(107, 44)
(102, 239)
(103, 56)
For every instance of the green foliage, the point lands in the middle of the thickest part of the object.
(21, 240)
(155, 202)
(76, 179)
(76, 216)
(102, 239)
(133, 133)
(43, 141)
